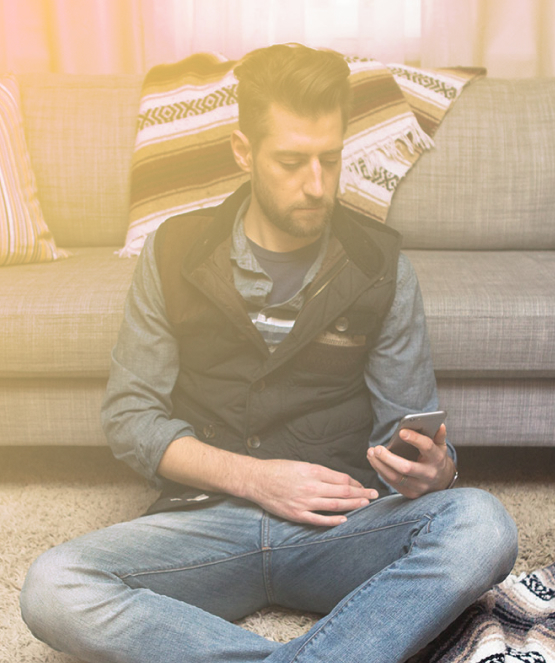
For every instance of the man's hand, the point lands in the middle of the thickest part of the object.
(296, 491)
(434, 469)
(290, 489)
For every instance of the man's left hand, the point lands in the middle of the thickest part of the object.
(434, 469)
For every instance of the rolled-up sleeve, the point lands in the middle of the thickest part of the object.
(399, 372)
(137, 407)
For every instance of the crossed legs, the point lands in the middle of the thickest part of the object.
(167, 587)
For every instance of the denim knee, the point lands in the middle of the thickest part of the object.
(42, 596)
(484, 533)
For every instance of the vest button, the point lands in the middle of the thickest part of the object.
(342, 324)
(209, 431)
(259, 386)
(253, 442)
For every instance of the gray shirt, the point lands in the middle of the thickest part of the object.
(137, 408)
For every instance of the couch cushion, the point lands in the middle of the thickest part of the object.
(489, 313)
(44, 411)
(489, 184)
(491, 411)
(24, 235)
(62, 318)
(80, 131)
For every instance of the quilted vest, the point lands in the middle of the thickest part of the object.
(307, 400)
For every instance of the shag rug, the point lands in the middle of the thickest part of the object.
(49, 495)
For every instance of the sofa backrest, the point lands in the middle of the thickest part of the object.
(488, 184)
(490, 181)
(80, 131)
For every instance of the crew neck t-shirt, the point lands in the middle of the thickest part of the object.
(286, 269)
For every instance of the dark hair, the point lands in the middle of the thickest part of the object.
(304, 80)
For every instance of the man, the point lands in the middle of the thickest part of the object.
(269, 347)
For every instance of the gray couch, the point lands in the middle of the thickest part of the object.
(477, 215)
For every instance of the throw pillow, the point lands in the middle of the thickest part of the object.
(24, 235)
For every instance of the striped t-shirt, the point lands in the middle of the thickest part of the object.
(273, 284)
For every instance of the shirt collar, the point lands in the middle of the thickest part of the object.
(241, 251)
(251, 280)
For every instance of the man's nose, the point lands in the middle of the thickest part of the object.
(314, 182)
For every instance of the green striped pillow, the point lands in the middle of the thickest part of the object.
(24, 235)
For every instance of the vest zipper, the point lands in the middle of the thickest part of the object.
(333, 273)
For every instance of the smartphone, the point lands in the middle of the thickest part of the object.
(426, 423)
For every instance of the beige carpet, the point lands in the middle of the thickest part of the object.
(50, 495)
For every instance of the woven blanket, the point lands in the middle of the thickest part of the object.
(183, 160)
(512, 623)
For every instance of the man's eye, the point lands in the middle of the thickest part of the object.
(291, 165)
(330, 162)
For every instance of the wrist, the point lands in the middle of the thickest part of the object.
(189, 461)
(244, 476)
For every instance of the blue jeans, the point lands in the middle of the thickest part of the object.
(165, 588)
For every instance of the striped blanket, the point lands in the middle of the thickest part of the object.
(512, 623)
(183, 160)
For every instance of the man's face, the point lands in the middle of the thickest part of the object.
(295, 171)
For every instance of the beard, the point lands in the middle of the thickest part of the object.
(307, 219)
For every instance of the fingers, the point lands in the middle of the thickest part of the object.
(440, 439)
(314, 517)
(395, 466)
(342, 492)
(320, 520)
(413, 478)
(393, 469)
(336, 504)
(311, 512)
(428, 448)
(300, 491)
(333, 477)
(331, 484)
(324, 496)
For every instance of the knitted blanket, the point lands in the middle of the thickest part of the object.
(512, 623)
(183, 160)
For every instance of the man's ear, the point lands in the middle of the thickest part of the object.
(242, 150)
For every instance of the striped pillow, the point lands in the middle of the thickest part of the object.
(24, 235)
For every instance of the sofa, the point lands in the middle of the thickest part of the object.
(477, 214)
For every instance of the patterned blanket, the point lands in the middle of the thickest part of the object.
(512, 623)
(183, 161)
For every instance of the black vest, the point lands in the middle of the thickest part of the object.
(307, 400)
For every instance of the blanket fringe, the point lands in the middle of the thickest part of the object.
(366, 160)
(385, 141)
(133, 248)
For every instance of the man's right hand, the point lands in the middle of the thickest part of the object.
(291, 489)
(296, 491)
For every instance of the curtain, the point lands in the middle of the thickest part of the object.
(512, 38)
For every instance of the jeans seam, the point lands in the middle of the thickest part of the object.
(266, 551)
(347, 536)
(356, 595)
(266, 556)
(187, 568)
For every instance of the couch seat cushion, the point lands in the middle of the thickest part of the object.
(61, 319)
(490, 313)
